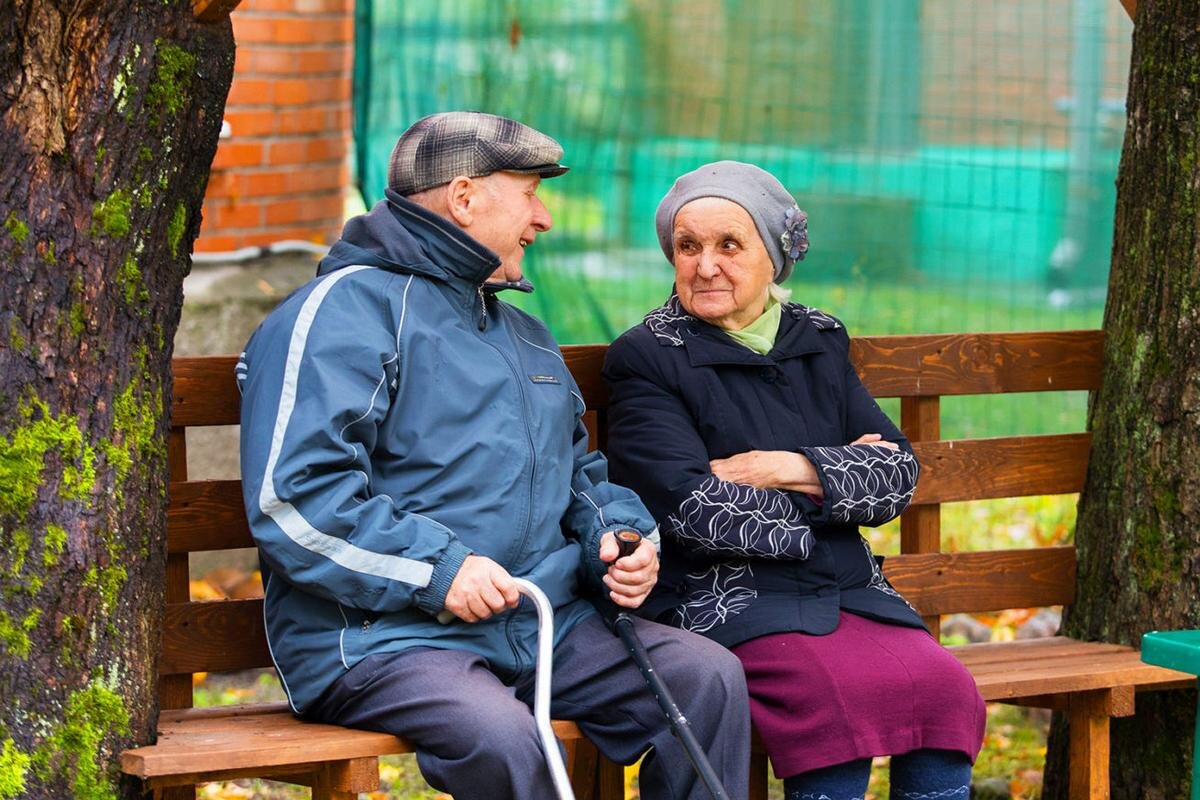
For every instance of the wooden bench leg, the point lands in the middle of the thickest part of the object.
(758, 772)
(610, 780)
(332, 794)
(1088, 714)
(343, 780)
(177, 793)
(593, 777)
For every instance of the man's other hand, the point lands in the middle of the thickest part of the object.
(629, 579)
(480, 589)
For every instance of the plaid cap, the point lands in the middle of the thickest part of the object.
(438, 148)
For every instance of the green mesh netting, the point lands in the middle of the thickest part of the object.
(957, 160)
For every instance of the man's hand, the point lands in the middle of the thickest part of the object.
(629, 579)
(769, 469)
(480, 589)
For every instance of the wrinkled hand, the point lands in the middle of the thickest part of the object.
(875, 438)
(629, 579)
(480, 589)
(770, 469)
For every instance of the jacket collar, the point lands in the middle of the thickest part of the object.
(456, 254)
(799, 334)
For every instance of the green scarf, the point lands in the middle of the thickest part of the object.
(760, 335)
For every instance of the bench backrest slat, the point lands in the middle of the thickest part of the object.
(229, 634)
(217, 636)
(1011, 466)
(891, 366)
(208, 515)
(986, 580)
(978, 363)
(204, 392)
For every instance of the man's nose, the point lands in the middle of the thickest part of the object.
(541, 217)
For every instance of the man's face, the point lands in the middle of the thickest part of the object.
(509, 219)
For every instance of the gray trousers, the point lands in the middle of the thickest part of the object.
(476, 738)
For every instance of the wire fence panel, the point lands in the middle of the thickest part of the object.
(957, 160)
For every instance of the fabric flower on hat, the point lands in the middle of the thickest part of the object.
(795, 233)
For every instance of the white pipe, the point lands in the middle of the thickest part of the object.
(250, 253)
(541, 692)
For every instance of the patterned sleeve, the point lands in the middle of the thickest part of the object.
(655, 448)
(864, 484)
(735, 519)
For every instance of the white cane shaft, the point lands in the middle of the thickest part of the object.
(541, 691)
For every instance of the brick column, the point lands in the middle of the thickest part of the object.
(282, 171)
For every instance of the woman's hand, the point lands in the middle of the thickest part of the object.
(875, 438)
(770, 469)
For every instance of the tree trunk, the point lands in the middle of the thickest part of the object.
(109, 116)
(1138, 531)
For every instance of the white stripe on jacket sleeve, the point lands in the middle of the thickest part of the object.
(291, 521)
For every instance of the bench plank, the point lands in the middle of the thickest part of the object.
(1028, 668)
(197, 741)
(229, 635)
(206, 515)
(978, 363)
(1010, 466)
(585, 362)
(891, 366)
(215, 636)
(984, 580)
(204, 392)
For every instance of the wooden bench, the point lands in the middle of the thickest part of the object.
(1091, 682)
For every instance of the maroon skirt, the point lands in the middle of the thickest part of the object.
(867, 689)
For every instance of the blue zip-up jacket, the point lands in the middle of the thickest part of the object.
(397, 417)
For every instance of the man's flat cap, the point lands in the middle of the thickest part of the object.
(438, 148)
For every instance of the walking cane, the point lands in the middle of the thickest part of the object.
(622, 625)
(541, 691)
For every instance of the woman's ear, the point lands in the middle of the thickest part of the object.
(461, 195)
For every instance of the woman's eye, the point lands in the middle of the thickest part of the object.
(686, 247)
(729, 244)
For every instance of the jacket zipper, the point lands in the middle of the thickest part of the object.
(532, 450)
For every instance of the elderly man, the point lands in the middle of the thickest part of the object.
(410, 443)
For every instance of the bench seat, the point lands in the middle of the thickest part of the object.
(266, 740)
(1033, 668)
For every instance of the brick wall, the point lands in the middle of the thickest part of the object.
(282, 172)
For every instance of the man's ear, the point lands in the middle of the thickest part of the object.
(462, 195)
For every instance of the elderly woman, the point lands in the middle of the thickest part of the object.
(740, 420)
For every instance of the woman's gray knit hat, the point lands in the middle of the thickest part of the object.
(780, 222)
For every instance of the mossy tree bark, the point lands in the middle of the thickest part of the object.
(1138, 531)
(109, 117)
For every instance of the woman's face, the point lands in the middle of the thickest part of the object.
(722, 268)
